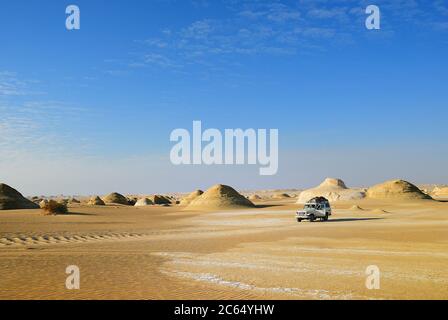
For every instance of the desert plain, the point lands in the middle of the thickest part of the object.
(262, 252)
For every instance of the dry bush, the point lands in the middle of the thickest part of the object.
(53, 208)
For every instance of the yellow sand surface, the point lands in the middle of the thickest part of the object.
(262, 253)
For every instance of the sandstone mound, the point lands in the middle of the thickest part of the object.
(132, 200)
(11, 199)
(143, 202)
(254, 197)
(356, 208)
(187, 200)
(159, 199)
(96, 201)
(281, 196)
(220, 197)
(74, 201)
(36, 199)
(116, 198)
(440, 192)
(333, 190)
(396, 189)
(333, 183)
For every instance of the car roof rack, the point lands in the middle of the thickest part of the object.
(318, 200)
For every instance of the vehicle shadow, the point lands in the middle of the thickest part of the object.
(71, 213)
(261, 206)
(352, 219)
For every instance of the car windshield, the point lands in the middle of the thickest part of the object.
(310, 206)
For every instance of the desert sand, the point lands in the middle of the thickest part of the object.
(156, 252)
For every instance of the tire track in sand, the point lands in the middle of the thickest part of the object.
(14, 241)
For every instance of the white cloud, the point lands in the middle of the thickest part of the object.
(332, 13)
(315, 32)
(10, 85)
(254, 28)
(31, 124)
(441, 7)
(159, 59)
(198, 30)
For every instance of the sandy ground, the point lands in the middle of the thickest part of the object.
(263, 253)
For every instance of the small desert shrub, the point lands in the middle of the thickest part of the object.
(53, 208)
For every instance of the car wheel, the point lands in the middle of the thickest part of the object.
(326, 217)
(299, 220)
(312, 218)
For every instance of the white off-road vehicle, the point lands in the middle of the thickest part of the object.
(316, 208)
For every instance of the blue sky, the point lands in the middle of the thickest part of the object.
(91, 110)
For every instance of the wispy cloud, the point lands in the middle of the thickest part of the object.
(441, 7)
(159, 59)
(249, 28)
(10, 85)
(273, 11)
(341, 13)
(32, 124)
